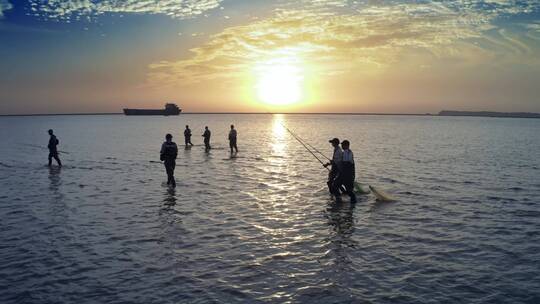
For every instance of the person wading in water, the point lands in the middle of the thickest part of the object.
(206, 136)
(168, 154)
(333, 187)
(232, 139)
(347, 174)
(187, 136)
(53, 151)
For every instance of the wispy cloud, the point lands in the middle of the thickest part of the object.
(339, 36)
(4, 6)
(76, 9)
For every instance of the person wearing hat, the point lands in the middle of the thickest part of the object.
(333, 180)
(53, 149)
(168, 154)
(347, 173)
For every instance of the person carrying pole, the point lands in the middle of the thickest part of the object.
(333, 176)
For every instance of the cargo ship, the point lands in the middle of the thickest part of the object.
(170, 109)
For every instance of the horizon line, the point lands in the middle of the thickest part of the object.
(456, 113)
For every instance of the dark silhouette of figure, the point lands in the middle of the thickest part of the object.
(206, 136)
(53, 151)
(333, 176)
(347, 173)
(187, 136)
(232, 139)
(168, 154)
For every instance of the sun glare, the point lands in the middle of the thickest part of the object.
(279, 82)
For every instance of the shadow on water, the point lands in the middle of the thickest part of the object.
(54, 179)
(169, 199)
(340, 217)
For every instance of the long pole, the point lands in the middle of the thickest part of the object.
(303, 144)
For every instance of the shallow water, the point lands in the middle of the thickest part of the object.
(261, 228)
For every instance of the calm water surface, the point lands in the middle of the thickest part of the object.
(261, 228)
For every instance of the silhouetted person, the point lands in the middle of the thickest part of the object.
(337, 156)
(206, 136)
(347, 173)
(168, 154)
(53, 151)
(187, 136)
(232, 139)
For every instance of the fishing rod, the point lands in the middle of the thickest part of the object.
(315, 149)
(379, 194)
(302, 143)
(40, 147)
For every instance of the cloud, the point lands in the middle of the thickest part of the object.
(64, 10)
(4, 6)
(336, 37)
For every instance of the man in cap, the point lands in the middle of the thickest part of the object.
(333, 176)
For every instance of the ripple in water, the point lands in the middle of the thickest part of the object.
(260, 227)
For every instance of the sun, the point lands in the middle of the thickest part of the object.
(279, 82)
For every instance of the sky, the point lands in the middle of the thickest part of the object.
(90, 56)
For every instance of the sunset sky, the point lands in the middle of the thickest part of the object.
(256, 56)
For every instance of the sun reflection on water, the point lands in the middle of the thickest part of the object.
(279, 142)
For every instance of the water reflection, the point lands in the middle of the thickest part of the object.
(340, 217)
(169, 199)
(54, 179)
(279, 142)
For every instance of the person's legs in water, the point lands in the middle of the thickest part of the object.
(57, 160)
(53, 154)
(232, 145)
(173, 165)
(169, 168)
(336, 186)
(349, 186)
(332, 174)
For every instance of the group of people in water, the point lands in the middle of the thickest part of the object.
(169, 149)
(341, 174)
(342, 171)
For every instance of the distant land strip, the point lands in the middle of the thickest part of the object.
(441, 113)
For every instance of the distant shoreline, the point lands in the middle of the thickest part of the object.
(444, 113)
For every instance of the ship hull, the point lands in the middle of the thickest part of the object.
(149, 112)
